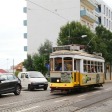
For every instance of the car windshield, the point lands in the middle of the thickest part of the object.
(35, 75)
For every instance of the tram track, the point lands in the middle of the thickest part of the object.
(37, 103)
(86, 104)
(32, 101)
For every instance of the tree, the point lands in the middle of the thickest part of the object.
(104, 43)
(45, 49)
(28, 63)
(39, 63)
(71, 34)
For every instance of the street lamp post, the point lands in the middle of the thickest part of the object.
(83, 36)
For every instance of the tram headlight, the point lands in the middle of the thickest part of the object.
(57, 80)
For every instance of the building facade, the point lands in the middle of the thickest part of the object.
(45, 17)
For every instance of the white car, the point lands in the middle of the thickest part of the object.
(33, 80)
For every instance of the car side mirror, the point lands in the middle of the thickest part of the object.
(26, 76)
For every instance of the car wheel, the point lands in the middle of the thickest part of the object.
(30, 88)
(45, 88)
(17, 90)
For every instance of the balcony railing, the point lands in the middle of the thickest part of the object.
(89, 3)
(87, 15)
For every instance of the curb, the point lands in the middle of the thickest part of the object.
(106, 81)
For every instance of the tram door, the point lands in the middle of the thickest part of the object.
(77, 71)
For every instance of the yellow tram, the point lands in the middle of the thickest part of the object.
(72, 68)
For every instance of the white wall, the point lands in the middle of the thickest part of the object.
(43, 24)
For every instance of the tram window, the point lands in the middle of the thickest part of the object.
(67, 64)
(74, 64)
(96, 66)
(85, 66)
(93, 67)
(58, 64)
(100, 67)
(51, 64)
(89, 68)
(78, 65)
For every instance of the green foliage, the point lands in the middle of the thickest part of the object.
(71, 34)
(36, 63)
(28, 63)
(104, 42)
(100, 41)
(16, 73)
(39, 62)
(45, 49)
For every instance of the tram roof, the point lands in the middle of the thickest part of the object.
(80, 53)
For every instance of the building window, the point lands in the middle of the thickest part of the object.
(25, 9)
(104, 9)
(104, 21)
(107, 22)
(107, 11)
(25, 35)
(111, 25)
(111, 15)
(25, 48)
(25, 22)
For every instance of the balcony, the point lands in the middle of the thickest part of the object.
(88, 16)
(89, 3)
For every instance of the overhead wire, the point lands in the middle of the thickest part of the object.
(47, 9)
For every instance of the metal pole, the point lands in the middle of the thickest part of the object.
(13, 66)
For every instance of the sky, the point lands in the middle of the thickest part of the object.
(12, 41)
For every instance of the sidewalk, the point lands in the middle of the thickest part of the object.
(106, 81)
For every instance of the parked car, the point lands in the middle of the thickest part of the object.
(33, 80)
(9, 83)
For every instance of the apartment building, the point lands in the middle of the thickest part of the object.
(104, 14)
(45, 17)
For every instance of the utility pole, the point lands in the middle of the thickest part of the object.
(13, 66)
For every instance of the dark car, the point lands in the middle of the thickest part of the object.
(9, 83)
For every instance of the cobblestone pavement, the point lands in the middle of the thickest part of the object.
(100, 107)
(43, 101)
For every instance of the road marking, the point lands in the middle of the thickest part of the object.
(28, 109)
(82, 95)
(60, 100)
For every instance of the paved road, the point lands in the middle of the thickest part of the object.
(44, 101)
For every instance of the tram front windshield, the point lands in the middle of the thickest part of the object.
(60, 64)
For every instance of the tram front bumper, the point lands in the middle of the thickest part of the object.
(60, 86)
